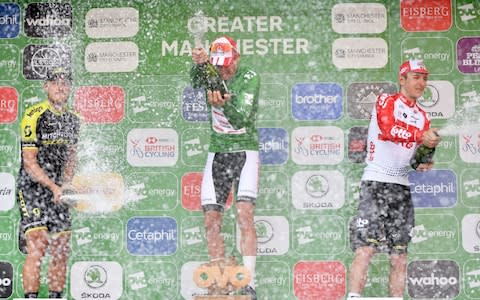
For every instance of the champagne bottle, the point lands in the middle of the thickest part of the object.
(212, 79)
(422, 155)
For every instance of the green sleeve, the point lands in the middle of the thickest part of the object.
(242, 107)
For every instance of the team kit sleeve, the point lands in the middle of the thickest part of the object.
(393, 129)
(28, 128)
(240, 110)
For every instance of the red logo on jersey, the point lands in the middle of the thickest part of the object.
(313, 280)
(8, 104)
(420, 15)
(400, 132)
(191, 189)
(100, 104)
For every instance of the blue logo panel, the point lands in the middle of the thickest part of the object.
(9, 20)
(194, 106)
(317, 101)
(152, 236)
(435, 188)
(273, 146)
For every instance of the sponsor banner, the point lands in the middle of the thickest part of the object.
(318, 190)
(115, 22)
(157, 191)
(357, 144)
(7, 191)
(361, 97)
(153, 104)
(38, 59)
(430, 236)
(96, 280)
(8, 104)
(191, 192)
(468, 55)
(111, 57)
(319, 280)
(471, 278)
(359, 18)
(419, 15)
(275, 281)
(44, 20)
(151, 236)
(273, 102)
(193, 239)
(273, 146)
(470, 187)
(6, 279)
(467, 15)
(151, 280)
(273, 191)
(317, 101)
(148, 147)
(194, 107)
(435, 188)
(100, 104)
(360, 53)
(89, 241)
(103, 153)
(9, 20)
(427, 279)
(9, 62)
(7, 234)
(315, 145)
(438, 99)
(188, 287)
(378, 279)
(273, 235)
(317, 235)
(436, 52)
(471, 233)
(195, 142)
(469, 144)
(8, 148)
(469, 94)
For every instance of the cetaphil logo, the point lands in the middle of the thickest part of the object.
(38, 59)
(433, 279)
(152, 236)
(92, 280)
(317, 101)
(359, 18)
(44, 20)
(418, 15)
(115, 22)
(7, 191)
(272, 235)
(360, 53)
(147, 147)
(438, 99)
(114, 57)
(468, 55)
(436, 188)
(319, 280)
(317, 145)
(273, 146)
(6, 279)
(9, 20)
(361, 97)
(471, 233)
(194, 107)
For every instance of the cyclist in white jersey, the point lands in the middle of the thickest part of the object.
(385, 214)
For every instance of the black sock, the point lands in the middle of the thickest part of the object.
(52, 294)
(31, 295)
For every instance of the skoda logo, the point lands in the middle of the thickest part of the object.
(430, 97)
(317, 186)
(477, 229)
(264, 231)
(95, 276)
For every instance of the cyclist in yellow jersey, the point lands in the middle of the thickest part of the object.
(49, 135)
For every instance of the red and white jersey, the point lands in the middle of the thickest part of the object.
(395, 129)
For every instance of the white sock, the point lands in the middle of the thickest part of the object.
(353, 295)
(249, 262)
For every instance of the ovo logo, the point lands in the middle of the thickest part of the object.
(220, 276)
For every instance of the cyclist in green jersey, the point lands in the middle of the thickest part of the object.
(49, 134)
(233, 158)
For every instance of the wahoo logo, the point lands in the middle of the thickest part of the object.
(433, 279)
(44, 20)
